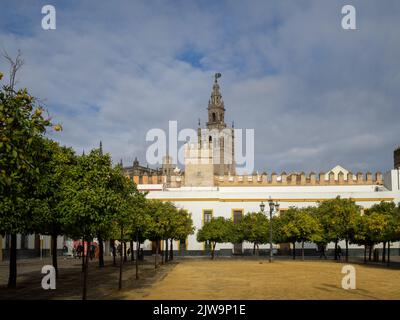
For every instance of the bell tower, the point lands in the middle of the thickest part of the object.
(216, 108)
(217, 136)
(214, 153)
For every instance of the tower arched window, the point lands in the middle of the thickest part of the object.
(214, 117)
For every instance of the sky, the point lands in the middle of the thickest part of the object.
(315, 94)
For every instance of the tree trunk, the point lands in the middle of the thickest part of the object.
(114, 253)
(294, 250)
(166, 250)
(347, 250)
(388, 254)
(120, 264)
(131, 248)
(137, 256)
(370, 253)
(83, 255)
(336, 255)
(365, 253)
(171, 250)
(125, 256)
(54, 252)
(101, 252)
(384, 252)
(212, 250)
(258, 250)
(254, 249)
(302, 250)
(161, 252)
(85, 273)
(12, 277)
(155, 256)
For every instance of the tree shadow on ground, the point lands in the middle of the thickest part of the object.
(102, 282)
(356, 292)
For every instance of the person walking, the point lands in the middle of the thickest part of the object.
(339, 252)
(79, 251)
(322, 251)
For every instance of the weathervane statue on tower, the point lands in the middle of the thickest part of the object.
(217, 75)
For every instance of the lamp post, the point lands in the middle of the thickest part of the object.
(272, 206)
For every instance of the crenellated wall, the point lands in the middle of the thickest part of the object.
(173, 181)
(300, 179)
(284, 179)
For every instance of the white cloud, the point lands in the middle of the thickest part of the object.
(315, 94)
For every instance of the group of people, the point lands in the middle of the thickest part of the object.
(322, 251)
(78, 251)
(119, 251)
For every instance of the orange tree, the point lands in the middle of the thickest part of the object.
(48, 195)
(218, 230)
(380, 223)
(253, 227)
(338, 218)
(23, 125)
(89, 203)
(182, 227)
(158, 223)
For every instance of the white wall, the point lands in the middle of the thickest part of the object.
(223, 200)
(391, 180)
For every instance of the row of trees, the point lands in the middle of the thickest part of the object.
(331, 221)
(46, 188)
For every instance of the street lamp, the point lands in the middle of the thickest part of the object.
(272, 206)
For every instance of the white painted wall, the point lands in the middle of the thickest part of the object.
(224, 199)
(391, 180)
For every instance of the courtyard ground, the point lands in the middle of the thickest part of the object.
(283, 279)
(201, 278)
(102, 283)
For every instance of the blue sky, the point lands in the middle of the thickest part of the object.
(315, 94)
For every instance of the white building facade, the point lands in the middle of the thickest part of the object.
(209, 189)
(203, 202)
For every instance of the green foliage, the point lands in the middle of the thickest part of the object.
(138, 217)
(22, 156)
(90, 202)
(49, 191)
(253, 227)
(158, 227)
(182, 225)
(338, 218)
(372, 228)
(380, 223)
(218, 230)
(297, 225)
(129, 206)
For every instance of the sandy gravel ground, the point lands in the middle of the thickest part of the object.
(285, 279)
(201, 278)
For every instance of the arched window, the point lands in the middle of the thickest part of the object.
(209, 139)
(213, 117)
